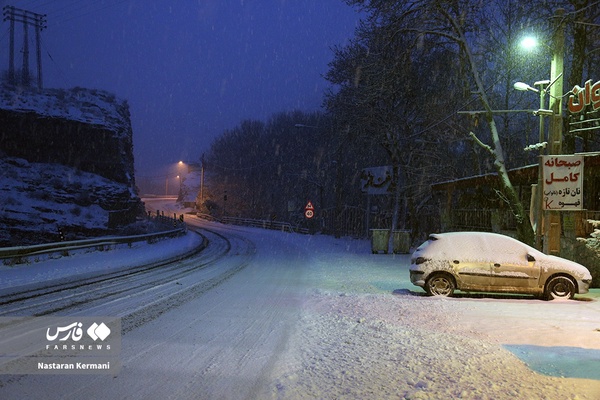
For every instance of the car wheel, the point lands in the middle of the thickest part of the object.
(440, 285)
(560, 287)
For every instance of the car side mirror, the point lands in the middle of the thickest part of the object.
(530, 258)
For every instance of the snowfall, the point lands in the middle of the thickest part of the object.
(314, 317)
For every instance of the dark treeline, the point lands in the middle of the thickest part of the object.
(271, 170)
(398, 96)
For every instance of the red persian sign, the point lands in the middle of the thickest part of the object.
(584, 96)
(563, 183)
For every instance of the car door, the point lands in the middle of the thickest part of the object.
(507, 274)
(472, 275)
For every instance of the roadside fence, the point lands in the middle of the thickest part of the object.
(265, 224)
(174, 226)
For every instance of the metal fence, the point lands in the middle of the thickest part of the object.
(174, 226)
(265, 224)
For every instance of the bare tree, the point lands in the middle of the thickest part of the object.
(452, 24)
(380, 93)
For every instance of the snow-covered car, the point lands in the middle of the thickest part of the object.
(490, 262)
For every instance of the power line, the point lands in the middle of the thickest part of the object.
(66, 13)
(58, 68)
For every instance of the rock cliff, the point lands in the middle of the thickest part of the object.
(66, 165)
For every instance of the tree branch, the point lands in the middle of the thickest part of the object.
(433, 33)
(483, 145)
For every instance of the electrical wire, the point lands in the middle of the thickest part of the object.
(58, 13)
(58, 68)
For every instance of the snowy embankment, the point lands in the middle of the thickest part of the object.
(38, 199)
(317, 317)
(86, 262)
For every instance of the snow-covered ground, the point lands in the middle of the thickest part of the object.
(318, 317)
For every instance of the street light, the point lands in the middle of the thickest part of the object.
(552, 219)
(529, 42)
(537, 200)
(180, 170)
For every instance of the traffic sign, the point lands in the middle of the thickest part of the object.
(309, 210)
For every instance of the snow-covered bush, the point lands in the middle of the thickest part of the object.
(589, 252)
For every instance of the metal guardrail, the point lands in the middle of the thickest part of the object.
(259, 223)
(47, 248)
(207, 217)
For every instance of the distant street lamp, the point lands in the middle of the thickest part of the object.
(202, 181)
(180, 170)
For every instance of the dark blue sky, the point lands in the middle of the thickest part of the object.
(189, 68)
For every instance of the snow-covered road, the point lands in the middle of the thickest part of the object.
(317, 317)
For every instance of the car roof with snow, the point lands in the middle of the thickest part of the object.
(476, 246)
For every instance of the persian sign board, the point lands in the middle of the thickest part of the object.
(582, 97)
(584, 108)
(563, 183)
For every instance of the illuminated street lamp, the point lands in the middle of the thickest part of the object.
(552, 225)
(529, 42)
(180, 169)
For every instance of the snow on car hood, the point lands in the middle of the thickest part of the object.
(553, 262)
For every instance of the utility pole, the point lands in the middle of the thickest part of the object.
(552, 226)
(11, 59)
(38, 21)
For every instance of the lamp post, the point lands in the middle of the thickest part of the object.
(202, 180)
(537, 193)
(549, 219)
(552, 228)
(180, 169)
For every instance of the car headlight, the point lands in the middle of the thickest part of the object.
(419, 260)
